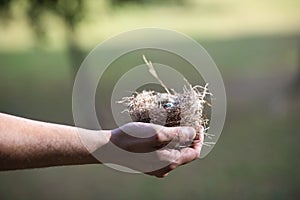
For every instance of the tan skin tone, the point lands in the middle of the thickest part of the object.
(26, 144)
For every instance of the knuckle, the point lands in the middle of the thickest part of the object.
(164, 135)
(159, 137)
(180, 134)
(178, 131)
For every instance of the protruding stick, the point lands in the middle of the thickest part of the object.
(153, 72)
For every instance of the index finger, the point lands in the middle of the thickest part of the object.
(180, 135)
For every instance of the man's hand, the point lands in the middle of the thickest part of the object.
(148, 148)
(156, 149)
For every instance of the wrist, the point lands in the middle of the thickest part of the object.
(91, 141)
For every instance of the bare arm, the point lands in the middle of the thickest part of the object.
(27, 144)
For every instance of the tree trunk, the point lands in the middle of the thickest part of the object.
(298, 73)
(76, 55)
(75, 52)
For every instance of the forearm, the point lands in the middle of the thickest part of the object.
(29, 144)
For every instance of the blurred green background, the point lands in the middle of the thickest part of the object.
(256, 45)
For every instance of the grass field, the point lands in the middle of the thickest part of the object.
(256, 46)
(256, 157)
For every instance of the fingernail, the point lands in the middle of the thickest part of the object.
(190, 132)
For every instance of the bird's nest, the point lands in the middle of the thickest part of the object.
(170, 108)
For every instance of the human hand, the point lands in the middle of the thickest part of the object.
(147, 148)
(153, 149)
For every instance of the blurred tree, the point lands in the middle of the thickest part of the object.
(5, 8)
(298, 75)
(121, 2)
(71, 12)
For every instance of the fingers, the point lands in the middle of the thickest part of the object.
(151, 136)
(180, 157)
(145, 138)
(190, 153)
(176, 135)
(177, 158)
(198, 142)
(187, 155)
